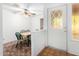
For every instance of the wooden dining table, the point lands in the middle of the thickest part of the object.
(24, 35)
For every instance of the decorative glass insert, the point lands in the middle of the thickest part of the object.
(56, 19)
(75, 21)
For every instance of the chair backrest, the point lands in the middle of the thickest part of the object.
(24, 31)
(18, 35)
(27, 30)
(29, 37)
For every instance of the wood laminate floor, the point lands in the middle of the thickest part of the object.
(53, 52)
(10, 49)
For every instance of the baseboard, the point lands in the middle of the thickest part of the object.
(74, 53)
(8, 41)
(56, 48)
(71, 52)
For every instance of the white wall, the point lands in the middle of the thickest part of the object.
(1, 40)
(38, 42)
(13, 23)
(38, 37)
(73, 46)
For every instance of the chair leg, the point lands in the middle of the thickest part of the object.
(28, 43)
(16, 44)
(24, 43)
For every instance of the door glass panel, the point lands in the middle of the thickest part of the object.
(56, 19)
(75, 21)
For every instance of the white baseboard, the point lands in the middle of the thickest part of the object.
(73, 52)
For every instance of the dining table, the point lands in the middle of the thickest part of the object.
(24, 35)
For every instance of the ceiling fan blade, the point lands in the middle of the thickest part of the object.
(18, 10)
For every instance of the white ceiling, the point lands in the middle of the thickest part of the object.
(36, 7)
(25, 5)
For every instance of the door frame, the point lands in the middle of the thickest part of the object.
(66, 24)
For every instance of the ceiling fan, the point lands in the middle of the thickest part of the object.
(28, 12)
(18, 10)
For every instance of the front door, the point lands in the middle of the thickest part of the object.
(57, 27)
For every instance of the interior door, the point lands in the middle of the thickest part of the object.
(57, 27)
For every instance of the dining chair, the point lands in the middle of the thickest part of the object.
(29, 40)
(19, 38)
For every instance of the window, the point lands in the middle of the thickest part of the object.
(56, 19)
(75, 21)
